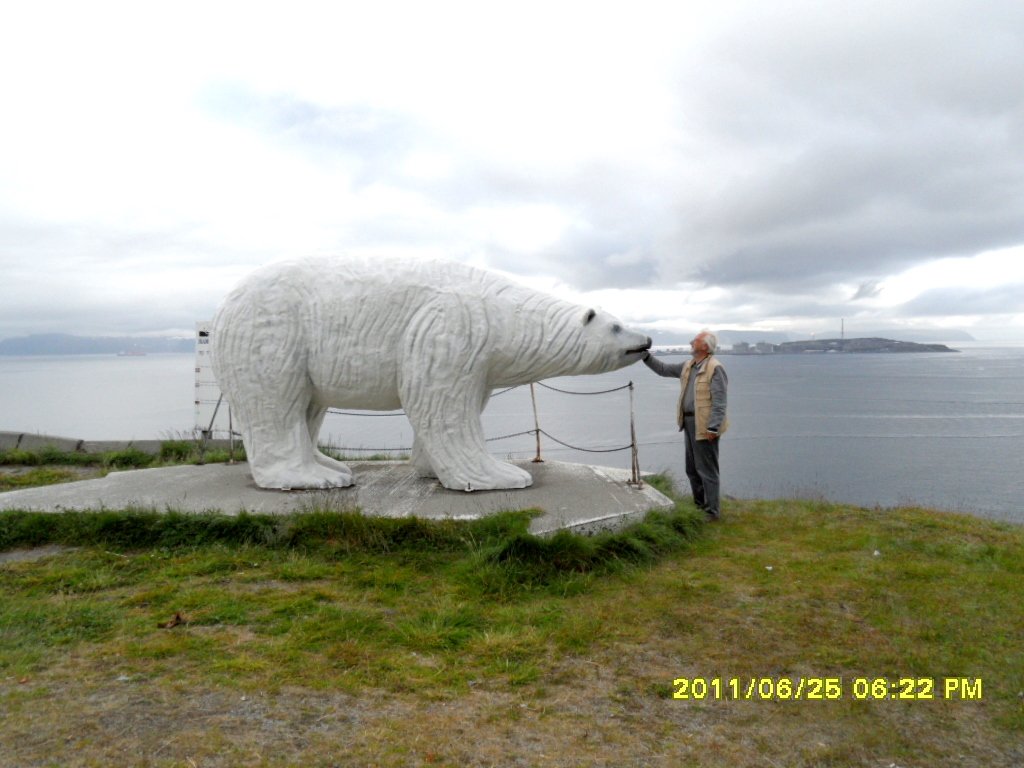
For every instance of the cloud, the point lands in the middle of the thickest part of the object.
(96, 280)
(744, 163)
(369, 144)
(869, 289)
(847, 143)
(1005, 299)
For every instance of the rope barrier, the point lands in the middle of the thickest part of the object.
(362, 413)
(343, 448)
(495, 439)
(398, 412)
(536, 431)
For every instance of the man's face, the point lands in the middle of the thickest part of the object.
(698, 346)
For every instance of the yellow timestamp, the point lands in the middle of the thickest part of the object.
(827, 688)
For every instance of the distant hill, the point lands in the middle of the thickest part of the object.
(727, 337)
(857, 345)
(69, 344)
(923, 335)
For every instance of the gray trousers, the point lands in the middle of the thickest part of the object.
(702, 468)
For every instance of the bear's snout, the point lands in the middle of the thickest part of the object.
(643, 348)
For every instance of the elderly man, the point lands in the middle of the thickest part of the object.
(700, 415)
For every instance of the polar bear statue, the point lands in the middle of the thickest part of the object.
(431, 337)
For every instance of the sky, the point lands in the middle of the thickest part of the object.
(784, 166)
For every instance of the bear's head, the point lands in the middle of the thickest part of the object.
(533, 336)
(605, 344)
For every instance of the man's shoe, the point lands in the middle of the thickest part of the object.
(713, 517)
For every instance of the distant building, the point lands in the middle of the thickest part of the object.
(746, 348)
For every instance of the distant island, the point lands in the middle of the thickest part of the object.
(69, 344)
(857, 345)
(824, 346)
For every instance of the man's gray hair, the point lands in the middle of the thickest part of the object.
(710, 339)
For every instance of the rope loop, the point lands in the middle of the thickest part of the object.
(585, 450)
(599, 392)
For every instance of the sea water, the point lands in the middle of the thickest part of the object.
(934, 429)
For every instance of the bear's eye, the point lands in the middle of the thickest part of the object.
(590, 315)
(616, 328)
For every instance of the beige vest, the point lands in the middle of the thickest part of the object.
(701, 396)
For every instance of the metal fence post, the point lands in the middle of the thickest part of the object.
(632, 441)
(536, 424)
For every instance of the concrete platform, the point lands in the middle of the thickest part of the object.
(578, 497)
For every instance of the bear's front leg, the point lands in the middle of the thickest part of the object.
(442, 385)
(452, 442)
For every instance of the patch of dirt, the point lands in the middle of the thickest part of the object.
(598, 714)
(31, 555)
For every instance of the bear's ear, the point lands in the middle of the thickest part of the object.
(588, 316)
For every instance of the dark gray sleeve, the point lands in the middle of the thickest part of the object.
(674, 370)
(719, 398)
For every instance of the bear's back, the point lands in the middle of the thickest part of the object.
(344, 318)
(382, 280)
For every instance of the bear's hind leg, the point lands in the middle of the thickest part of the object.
(283, 457)
(280, 450)
(314, 419)
(420, 460)
(261, 367)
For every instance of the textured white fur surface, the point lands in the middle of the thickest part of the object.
(431, 337)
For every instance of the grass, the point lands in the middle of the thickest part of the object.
(49, 465)
(49, 456)
(35, 477)
(333, 639)
(170, 452)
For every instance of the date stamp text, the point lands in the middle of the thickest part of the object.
(827, 688)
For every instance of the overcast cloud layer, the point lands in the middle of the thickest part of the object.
(773, 166)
